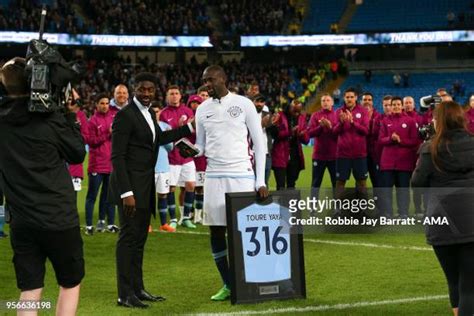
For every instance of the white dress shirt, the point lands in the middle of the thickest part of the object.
(147, 115)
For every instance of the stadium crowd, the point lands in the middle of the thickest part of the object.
(279, 83)
(128, 17)
(255, 17)
(131, 17)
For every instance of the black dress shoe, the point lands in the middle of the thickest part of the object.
(131, 301)
(145, 296)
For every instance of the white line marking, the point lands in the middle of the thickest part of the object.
(369, 245)
(341, 243)
(319, 308)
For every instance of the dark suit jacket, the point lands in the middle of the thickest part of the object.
(134, 155)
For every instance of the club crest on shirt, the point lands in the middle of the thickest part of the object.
(234, 111)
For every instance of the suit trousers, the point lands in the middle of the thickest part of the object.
(129, 253)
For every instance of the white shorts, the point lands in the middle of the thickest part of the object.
(162, 182)
(200, 177)
(214, 197)
(179, 174)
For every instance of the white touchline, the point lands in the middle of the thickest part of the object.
(369, 245)
(319, 308)
(341, 243)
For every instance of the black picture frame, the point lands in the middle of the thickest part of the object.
(243, 292)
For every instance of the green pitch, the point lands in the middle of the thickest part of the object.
(364, 274)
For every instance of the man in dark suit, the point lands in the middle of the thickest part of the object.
(136, 138)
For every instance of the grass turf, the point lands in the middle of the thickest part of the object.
(180, 267)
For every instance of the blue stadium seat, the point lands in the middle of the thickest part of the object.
(405, 15)
(322, 14)
(420, 84)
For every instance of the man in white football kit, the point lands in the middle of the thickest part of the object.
(223, 124)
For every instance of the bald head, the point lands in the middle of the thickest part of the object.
(214, 78)
(408, 104)
(121, 95)
(216, 70)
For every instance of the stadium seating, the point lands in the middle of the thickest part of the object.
(322, 14)
(420, 84)
(149, 17)
(254, 17)
(388, 15)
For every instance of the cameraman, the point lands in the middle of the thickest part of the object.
(446, 164)
(44, 223)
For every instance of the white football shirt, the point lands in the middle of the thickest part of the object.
(222, 130)
(266, 245)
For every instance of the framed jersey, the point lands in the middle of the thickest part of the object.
(265, 251)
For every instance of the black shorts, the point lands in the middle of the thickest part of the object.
(31, 247)
(357, 165)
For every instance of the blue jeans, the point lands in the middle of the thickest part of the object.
(95, 180)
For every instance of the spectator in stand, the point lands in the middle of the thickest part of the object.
(406, 79)
(162, 179)
(120, 99)
(451, 18)
(409, 110)
(368, 75)
(325, 142)
(334, 66)
(470, 115)
(398, 139)
(336, 95)
(287, 153)
(182, 170)
(397, 79)
(368, 104)
(352, 127)
(76, 170)
(100, 167)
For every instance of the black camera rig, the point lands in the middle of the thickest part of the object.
(49, 74)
